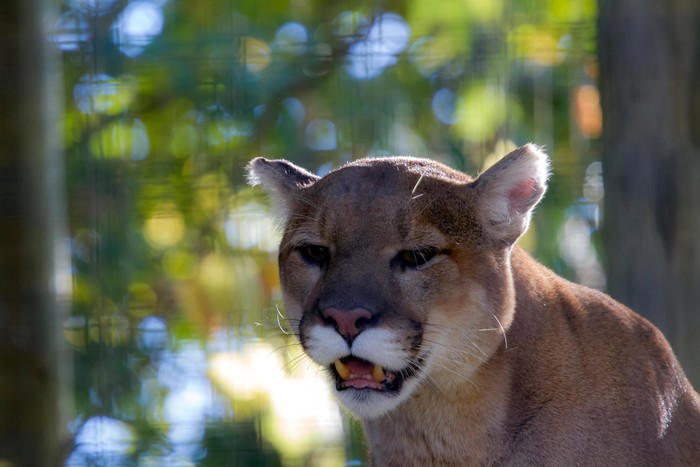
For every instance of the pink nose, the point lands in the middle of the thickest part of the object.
(348, 323)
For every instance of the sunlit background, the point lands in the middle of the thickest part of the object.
(181, 355)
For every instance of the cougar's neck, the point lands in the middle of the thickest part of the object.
(462, 425)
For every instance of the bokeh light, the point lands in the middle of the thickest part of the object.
(444, 106)
(137, 26)
(71, 31)
(256, 54)
(101, 435)
(165, 227)
(291, 38)
(321, 135)
(102, 93)
(388, 36)
(93, 7)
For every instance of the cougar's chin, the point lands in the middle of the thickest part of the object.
(367, 389)
(369, 395)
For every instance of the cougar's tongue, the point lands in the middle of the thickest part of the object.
(358, 366)
(359, 373)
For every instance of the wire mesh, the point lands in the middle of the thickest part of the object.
(182, 352)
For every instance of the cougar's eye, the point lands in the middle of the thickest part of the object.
(415, 257)
(314, 254)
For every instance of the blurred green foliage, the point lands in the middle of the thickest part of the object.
(175, 281)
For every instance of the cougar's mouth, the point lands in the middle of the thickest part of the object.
(355, 373)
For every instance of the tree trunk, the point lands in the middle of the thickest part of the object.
(649, 52)
(34, 263)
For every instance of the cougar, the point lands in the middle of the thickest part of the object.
(401, 277)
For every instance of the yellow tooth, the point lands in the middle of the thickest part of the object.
(377, 373)
(342, 369)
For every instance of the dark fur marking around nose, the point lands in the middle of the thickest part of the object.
(348, 323)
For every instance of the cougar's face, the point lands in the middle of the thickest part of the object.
(395, 272)
(371, 285)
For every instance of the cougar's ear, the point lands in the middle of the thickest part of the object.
(509, 190)
(282, 180)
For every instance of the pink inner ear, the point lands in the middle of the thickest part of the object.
(520, 196)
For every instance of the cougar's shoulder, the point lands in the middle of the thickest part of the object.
(589, 368)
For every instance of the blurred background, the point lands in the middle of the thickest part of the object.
(141, 322)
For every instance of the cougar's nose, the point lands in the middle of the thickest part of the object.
(349, 323)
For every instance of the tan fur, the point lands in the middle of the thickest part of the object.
(513, 364)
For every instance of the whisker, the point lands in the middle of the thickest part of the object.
(282, 347)
(311, 365)
(459, 352)
(279, 323)
(462, 353)
(427, 205)
(415, 187)
(432, 383)
(461, 376)
(303, 200)
(424, 378)
(479, 349)
(450, 328)
(503, 331)
(302, 217)
(295, 361)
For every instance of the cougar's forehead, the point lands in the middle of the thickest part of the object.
(363, 188)
(383, 201)
(367, 201)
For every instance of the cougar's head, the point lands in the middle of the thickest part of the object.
(395, 271)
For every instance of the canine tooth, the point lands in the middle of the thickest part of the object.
(342, 369)
(377, 373)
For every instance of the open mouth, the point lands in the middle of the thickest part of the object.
(355, 373)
